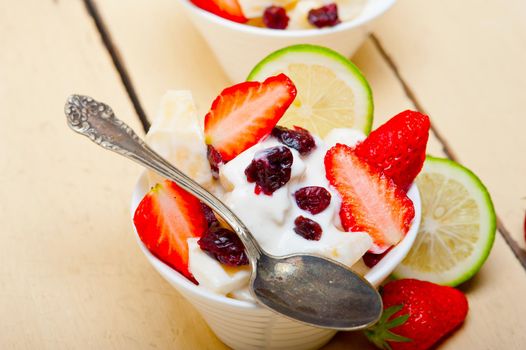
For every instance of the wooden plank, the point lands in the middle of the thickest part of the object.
(465, 60)
(166, 52)
(71, 274)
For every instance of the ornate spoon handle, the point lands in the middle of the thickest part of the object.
(97, 121)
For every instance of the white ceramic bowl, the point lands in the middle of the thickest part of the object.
(238, 47)
(244, 325)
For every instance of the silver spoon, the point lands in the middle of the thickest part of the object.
(307, 288)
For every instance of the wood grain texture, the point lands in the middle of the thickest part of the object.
(162, 51)
(465, 62)
(71, 274)
(167, 53)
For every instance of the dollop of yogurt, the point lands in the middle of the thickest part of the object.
(270, 218)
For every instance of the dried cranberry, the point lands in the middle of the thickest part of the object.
(307, 228)
(270, 169)
(275, 17)
(299, 138)
(209, 215)
(371, 259)
(325, 16)
(215, 159)
(313, 199)
(224, 245)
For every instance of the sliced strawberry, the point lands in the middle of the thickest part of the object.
(398, 147)
(166, 217)
(371, 202)
(245, 113)
(228, 9)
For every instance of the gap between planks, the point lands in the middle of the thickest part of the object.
(126, 80)
(117, 62)
(519, 253)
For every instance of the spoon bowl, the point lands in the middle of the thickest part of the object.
(316, 291)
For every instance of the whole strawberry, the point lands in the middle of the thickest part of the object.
(417, 314)
(398, 147)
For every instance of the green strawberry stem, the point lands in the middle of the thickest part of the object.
(380, 333)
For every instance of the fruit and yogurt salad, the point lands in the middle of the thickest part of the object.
(296, 161)
(342, 197)
(285, 14)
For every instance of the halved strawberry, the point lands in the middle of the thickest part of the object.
(371, 202)
(398, 147)
(245, 113)
(166, 217)
(228, 9)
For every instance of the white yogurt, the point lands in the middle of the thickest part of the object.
(271, 218)
(213, 275)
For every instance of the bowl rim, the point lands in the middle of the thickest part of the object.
(382, 6)
(375, 276)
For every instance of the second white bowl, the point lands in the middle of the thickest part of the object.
(239, 47)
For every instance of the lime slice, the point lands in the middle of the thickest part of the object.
(457, 228)
(332, 92)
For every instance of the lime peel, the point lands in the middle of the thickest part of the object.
(332, 92)
(457, 229)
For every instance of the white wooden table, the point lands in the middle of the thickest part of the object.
(71, 274)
